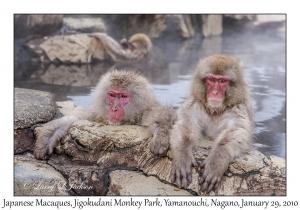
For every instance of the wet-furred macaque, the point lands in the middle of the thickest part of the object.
(218, 106)
(136, 49)
(121, 97)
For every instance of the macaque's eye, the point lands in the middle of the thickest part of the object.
(124, 96)
(223, 81)
(212, 79)
(112, 95)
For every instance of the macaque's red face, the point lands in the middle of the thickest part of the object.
(117, 100)
(216, 86)
(131, 47)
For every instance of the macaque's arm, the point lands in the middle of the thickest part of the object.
(51, 132)
(114, 49)
(183, 136)
(160, 121)
(233, 140)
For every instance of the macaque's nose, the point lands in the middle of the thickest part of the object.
(116, 104)
(215, 88)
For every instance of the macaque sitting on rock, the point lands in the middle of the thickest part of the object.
(136, 49)
(121, 97)
(218, 106)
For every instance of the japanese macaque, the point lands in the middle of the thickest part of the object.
(218, 106)
(121, 97)
(136, 49)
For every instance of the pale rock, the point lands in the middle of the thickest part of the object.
(32, 107)
(77, 48)
(262, 19)
(212, 25)
(103, 149)
(83, 25)
(127, 147)
(135, 183)
(34, 177)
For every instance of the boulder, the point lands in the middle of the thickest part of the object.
(37, 54)
(72, 25)
(77, 48)
(211, 25)
(259, 19)
(184, 25)
(34, 177)
(42, 25)
(270, 20)
(126, 25)
(23, 140)
(254, 22)
(123, 182)
(32, 107)
(126, 147)
(83, 179)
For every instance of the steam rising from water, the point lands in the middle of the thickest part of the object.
(262, 53)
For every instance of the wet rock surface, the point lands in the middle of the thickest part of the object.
(83, 179)
(36, 24)
(123, 182)
(73, 25)
(211, 25)
(23, 140)
(127, 148)
(33, 177)
(98, 159)
(32, 107)
(77, 48)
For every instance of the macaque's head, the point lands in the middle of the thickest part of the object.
(218, 82)
(121, 96)
(138, 44)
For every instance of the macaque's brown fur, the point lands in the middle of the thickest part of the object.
(140, 53)
(230, 124)
(143, 109)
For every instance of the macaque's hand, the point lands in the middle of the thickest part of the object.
(181, 172)
(44, 145)
(50, 134)
(212, 174)
(160, 144)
